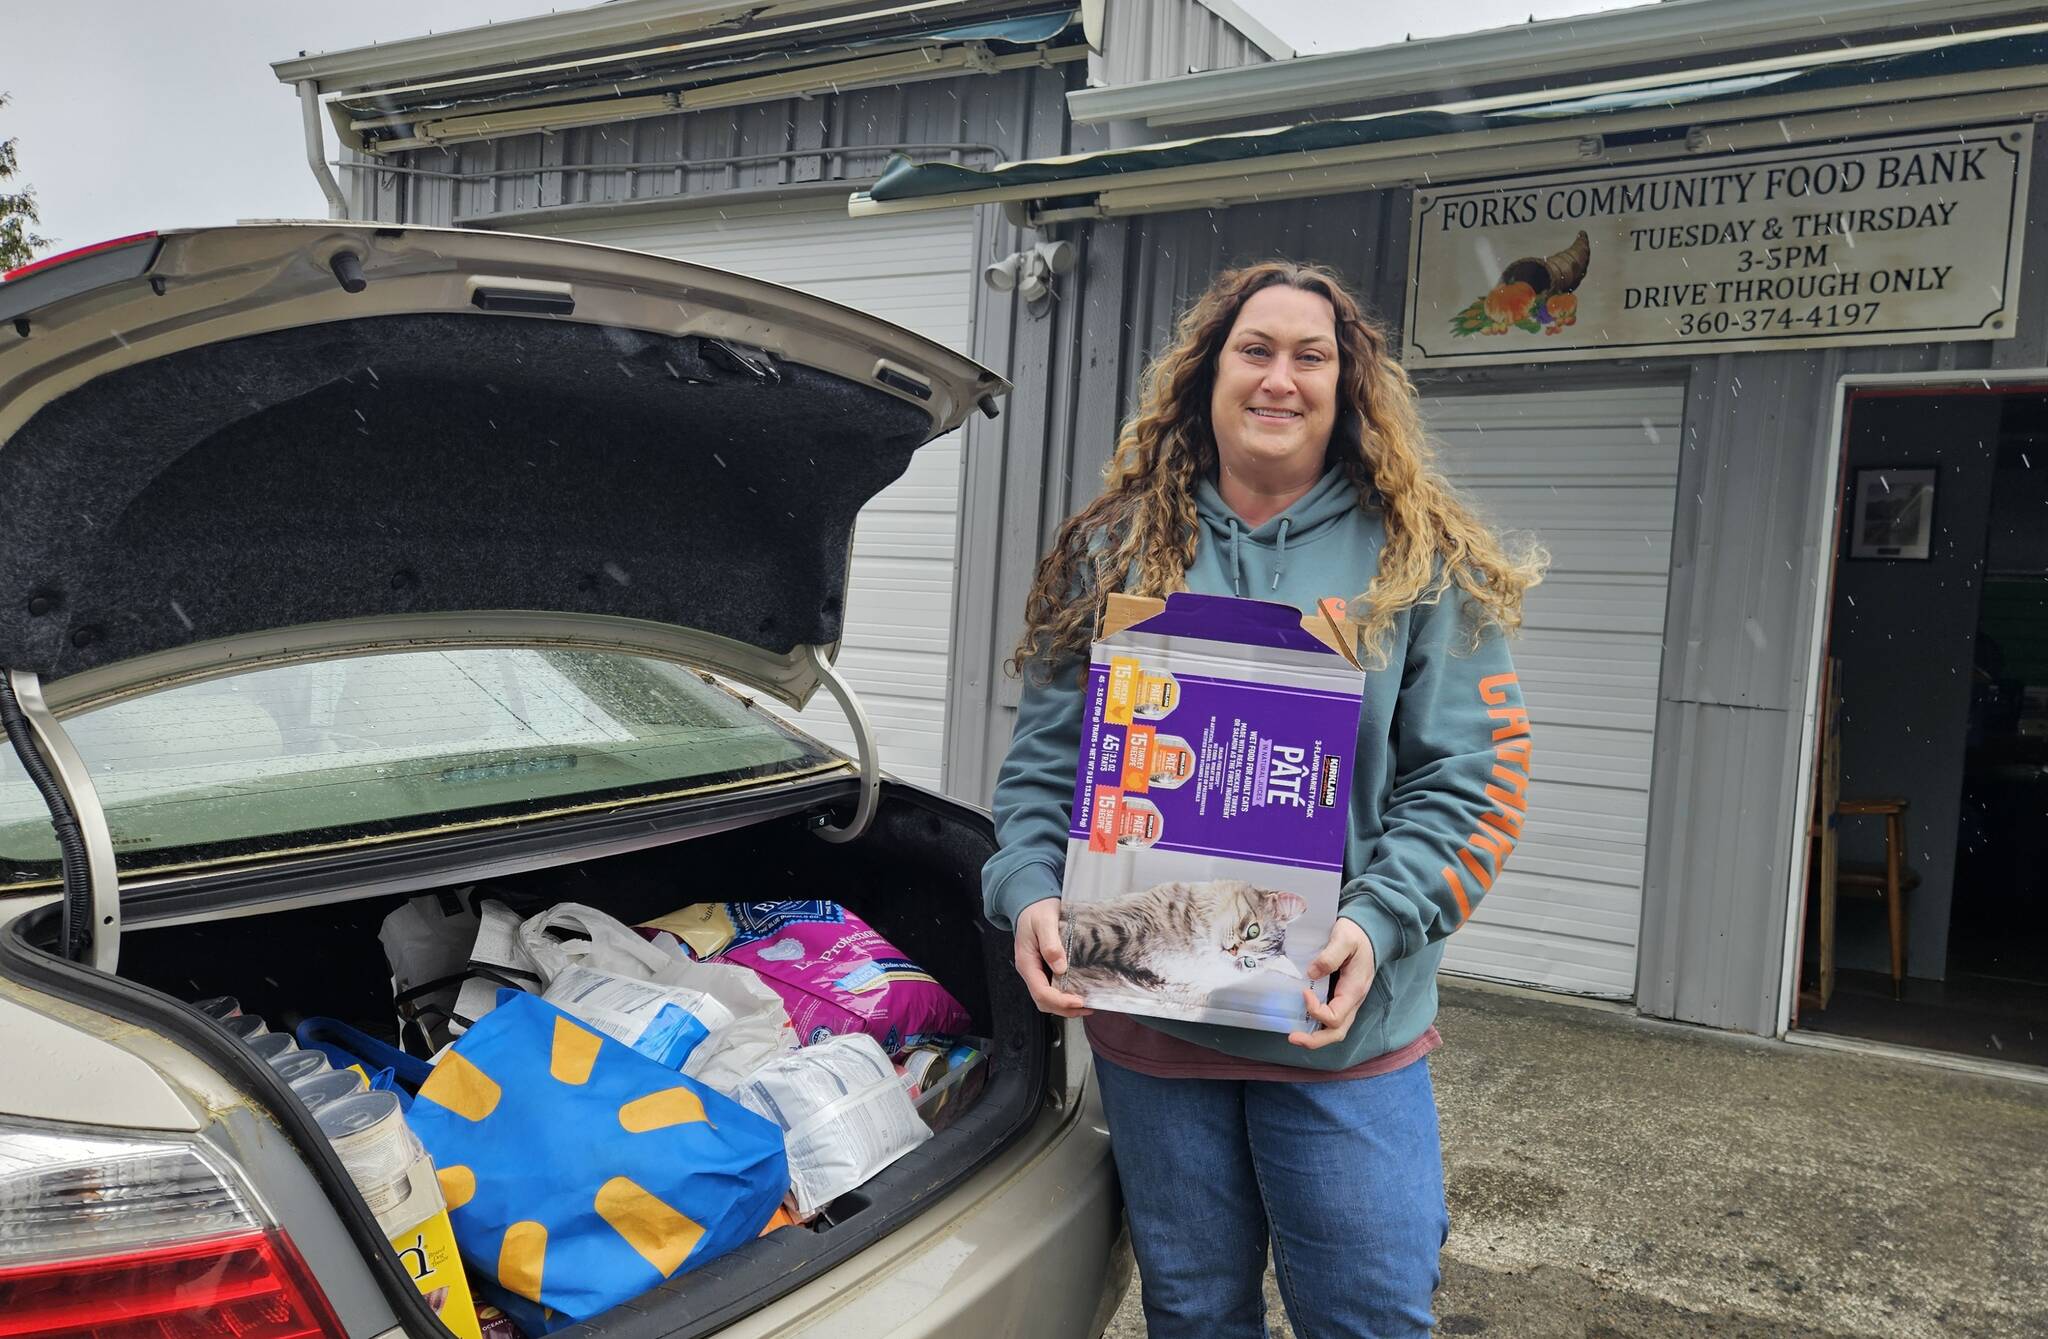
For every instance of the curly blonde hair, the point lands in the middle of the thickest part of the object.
(1139, 534)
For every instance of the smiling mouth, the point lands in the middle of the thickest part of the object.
(1276, 415)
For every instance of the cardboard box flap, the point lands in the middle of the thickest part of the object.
(1227, 618)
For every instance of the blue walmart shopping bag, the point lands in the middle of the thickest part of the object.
(579, 1172)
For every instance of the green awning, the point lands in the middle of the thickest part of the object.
(385, 113)
(1081, 174)
(1027, 31)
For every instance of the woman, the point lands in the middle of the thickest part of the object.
(1278, 455)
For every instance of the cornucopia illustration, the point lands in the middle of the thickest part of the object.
(1535, 293)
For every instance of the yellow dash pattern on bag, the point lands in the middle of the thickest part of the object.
(522, 1257)
(574, 1055)
(462, 1088)
(658, 1111)
(663, 1236)
(458, 1185)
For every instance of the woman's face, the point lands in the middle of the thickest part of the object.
(1275, 401)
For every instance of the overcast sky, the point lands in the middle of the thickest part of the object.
(139, 114)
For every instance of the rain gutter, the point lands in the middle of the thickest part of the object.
(673, 164)
(723, 199)
(517, 220)
(1558, 52)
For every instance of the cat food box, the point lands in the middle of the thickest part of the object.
(1206, 850)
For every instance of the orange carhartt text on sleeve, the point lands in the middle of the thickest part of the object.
(1486, 851)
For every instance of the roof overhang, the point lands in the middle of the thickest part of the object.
(1887, 88)
(635, 58)
(1554, 55)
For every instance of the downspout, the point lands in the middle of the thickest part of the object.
(316, 149)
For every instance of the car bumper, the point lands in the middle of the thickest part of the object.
(1030, 1247)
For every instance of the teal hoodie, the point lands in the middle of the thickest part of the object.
(1437, 797)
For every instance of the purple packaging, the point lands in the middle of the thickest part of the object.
(836, 975)
(1206, 849)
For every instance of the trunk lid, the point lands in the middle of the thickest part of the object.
(233, 446)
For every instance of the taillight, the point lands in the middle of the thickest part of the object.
(108, 1237)
(249, 1286)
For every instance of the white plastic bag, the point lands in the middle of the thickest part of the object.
(756, 1031)
(844, 1112)
(596, 940)
(497, 959)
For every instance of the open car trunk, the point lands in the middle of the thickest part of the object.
(235, 452)
(913, 876)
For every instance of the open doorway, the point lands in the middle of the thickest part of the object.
(1926, 908)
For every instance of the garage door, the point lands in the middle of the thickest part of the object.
(915, 271)
(1593, 474)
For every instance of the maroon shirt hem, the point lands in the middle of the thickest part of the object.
(1126, 1041)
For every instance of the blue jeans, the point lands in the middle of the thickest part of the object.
(1344, 1177)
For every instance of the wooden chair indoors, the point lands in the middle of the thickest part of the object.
(1888, 882)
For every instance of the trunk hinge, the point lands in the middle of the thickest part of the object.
(864, 746)
(91, 886)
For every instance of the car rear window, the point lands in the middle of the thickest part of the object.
(371, 749)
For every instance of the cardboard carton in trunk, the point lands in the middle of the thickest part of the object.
(1206, 849)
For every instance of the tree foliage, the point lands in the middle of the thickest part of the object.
(18, 216)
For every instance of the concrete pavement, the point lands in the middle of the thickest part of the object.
(1611, 1178)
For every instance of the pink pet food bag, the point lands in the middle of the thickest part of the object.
(836, 975)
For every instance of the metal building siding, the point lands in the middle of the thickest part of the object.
(1724, 807)
(1019, 475)
(1714, 905)
(913, 270)
(1590, 472)
(1158, 39)
(979, 110)
(1732, 727)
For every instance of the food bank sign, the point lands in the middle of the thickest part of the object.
(1880, 242)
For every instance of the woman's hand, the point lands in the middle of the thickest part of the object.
(1349, 956)
(1042, 955)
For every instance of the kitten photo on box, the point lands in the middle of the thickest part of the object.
(1206, 850)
